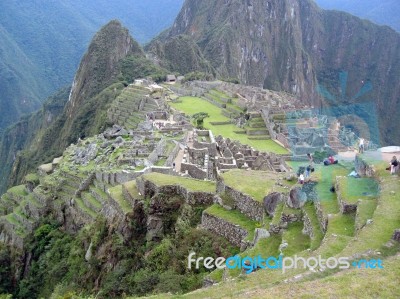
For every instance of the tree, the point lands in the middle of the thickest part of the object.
(199, 119)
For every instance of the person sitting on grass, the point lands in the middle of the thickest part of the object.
(329, 161)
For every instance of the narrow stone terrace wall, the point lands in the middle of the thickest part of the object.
(243, 202)
(148, 188)
(231, 232)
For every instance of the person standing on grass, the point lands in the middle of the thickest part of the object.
(307, 172)
(361, 146)
(301, 179)
(394, 163)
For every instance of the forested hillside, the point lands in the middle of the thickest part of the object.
(42, 42)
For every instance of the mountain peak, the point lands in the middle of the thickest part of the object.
(99, 66)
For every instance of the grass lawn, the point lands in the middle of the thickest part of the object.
(192, 105)
(326, 177)
(353, 189)
(257, 184)
(191, 184)
(296, 240)
(132, 189)
(117, 195)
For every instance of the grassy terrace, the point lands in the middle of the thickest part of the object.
(117, 195)
(297, 241)
(339, 241)
(18, 190)
(190, 184)
(386, 217)
(192, 105)
(132, 189)
(353, 189)
(234, 217)
(257, 184)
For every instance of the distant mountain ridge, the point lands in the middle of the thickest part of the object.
(113, 59)
(42, 42)
(383, 12)
(295, 46)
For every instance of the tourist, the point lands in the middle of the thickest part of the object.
(394, 163)
(301, 178)
(361, 146)
(173, 165)
(310, 159)
(330, 161)
(307, 172)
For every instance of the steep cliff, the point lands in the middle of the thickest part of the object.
(26, 134)
(112, 59)
(294, 46)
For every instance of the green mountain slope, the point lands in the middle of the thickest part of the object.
(41, 43)
(296, 47)
(109, 63)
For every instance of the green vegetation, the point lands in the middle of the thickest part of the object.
(117, 195)
(189, 105)
(353, 189)
(132, 189)
(199, 119)
(296, 240)
(257, 184)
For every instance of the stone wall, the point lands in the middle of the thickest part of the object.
(194, 171)
(345, 208)
(8, 234)
(211, 146)
(158, 151)
(363, 168)
(212, 101)
(149, 189)
(173, 154)
(231, 232)
(308, 228)
(84, 185)
(243, 202)
(323, 220)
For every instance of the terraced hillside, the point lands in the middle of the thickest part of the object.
(131, 106)
(221, 123)
(326, 226)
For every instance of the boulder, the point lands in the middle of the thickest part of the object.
(396, 235)
(270, 201)
(297, 198)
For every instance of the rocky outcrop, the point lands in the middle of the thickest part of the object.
(364, 168)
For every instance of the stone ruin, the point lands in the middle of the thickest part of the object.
(198, 158)
(232, 154)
